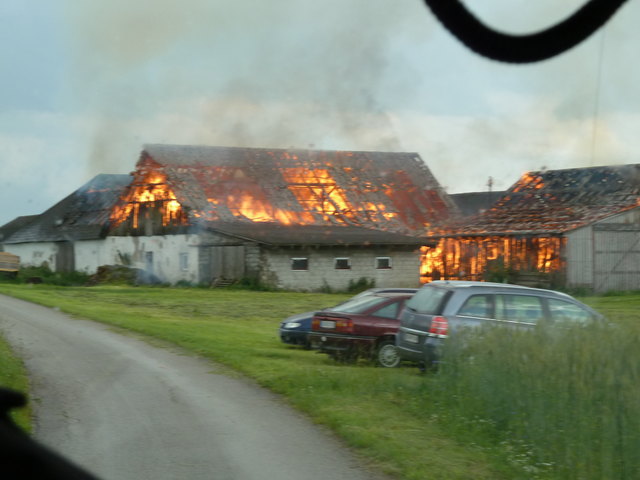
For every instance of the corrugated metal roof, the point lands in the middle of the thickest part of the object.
(317, 235)
(556, 201)
(83, 215)
(390, 191)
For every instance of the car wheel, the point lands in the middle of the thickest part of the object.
(387, 354)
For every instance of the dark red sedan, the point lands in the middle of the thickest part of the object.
(361, 328)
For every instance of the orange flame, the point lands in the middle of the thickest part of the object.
(149, 191)
(312, 196)
(473, 258)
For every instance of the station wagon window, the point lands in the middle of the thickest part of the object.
(519, 308)
(562, 311)
(342, 264)
(476, 306)
(388, 311)
(300, 263)
(429, 300)
(383, 263)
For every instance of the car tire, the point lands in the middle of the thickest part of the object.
(387, 354)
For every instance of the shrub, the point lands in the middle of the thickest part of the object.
(44, 274)
(360, 285)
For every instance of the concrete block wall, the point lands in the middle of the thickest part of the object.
(321, 273)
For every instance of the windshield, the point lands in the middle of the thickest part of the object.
(359, 305)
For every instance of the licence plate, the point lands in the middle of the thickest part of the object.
(411, 338)
(327, 324)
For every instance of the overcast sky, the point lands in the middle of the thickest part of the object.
(86, 83)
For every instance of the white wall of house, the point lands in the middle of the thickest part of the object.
(404, 268)
(171, 258)
(34, 254)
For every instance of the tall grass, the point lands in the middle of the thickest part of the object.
(565, 402)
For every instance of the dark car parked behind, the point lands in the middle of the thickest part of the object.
(441, 308)
(294, 330)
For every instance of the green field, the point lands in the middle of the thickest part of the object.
(457, 424)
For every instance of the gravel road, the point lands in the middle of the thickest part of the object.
(124, 409)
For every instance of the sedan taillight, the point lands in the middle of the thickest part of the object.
(439, 327)
(344, 326)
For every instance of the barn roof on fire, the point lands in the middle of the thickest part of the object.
(378, 190)
(556, 201)
(83, 215)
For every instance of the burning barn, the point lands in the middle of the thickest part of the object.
(291, 218)
(575, 227)
(301, 219)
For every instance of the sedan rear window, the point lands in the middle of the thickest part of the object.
(428, 300)
(358, 305)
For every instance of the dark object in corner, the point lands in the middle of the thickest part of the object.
(504, 47)
(21, 457)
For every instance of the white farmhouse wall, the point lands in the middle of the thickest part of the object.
(34, 254)
(171, 258)
(321, 273)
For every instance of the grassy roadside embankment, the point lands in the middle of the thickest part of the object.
(14, 376)
(409, 425)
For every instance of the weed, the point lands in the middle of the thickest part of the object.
(360, 285)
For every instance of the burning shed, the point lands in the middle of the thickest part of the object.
(577, 227)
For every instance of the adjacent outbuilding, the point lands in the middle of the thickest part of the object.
(577, 228)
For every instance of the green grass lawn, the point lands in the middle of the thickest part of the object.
(395, 418)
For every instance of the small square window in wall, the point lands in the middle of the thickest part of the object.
(383, 263)
(342, 264)
(299, 264)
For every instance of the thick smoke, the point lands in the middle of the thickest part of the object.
(358, 74)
